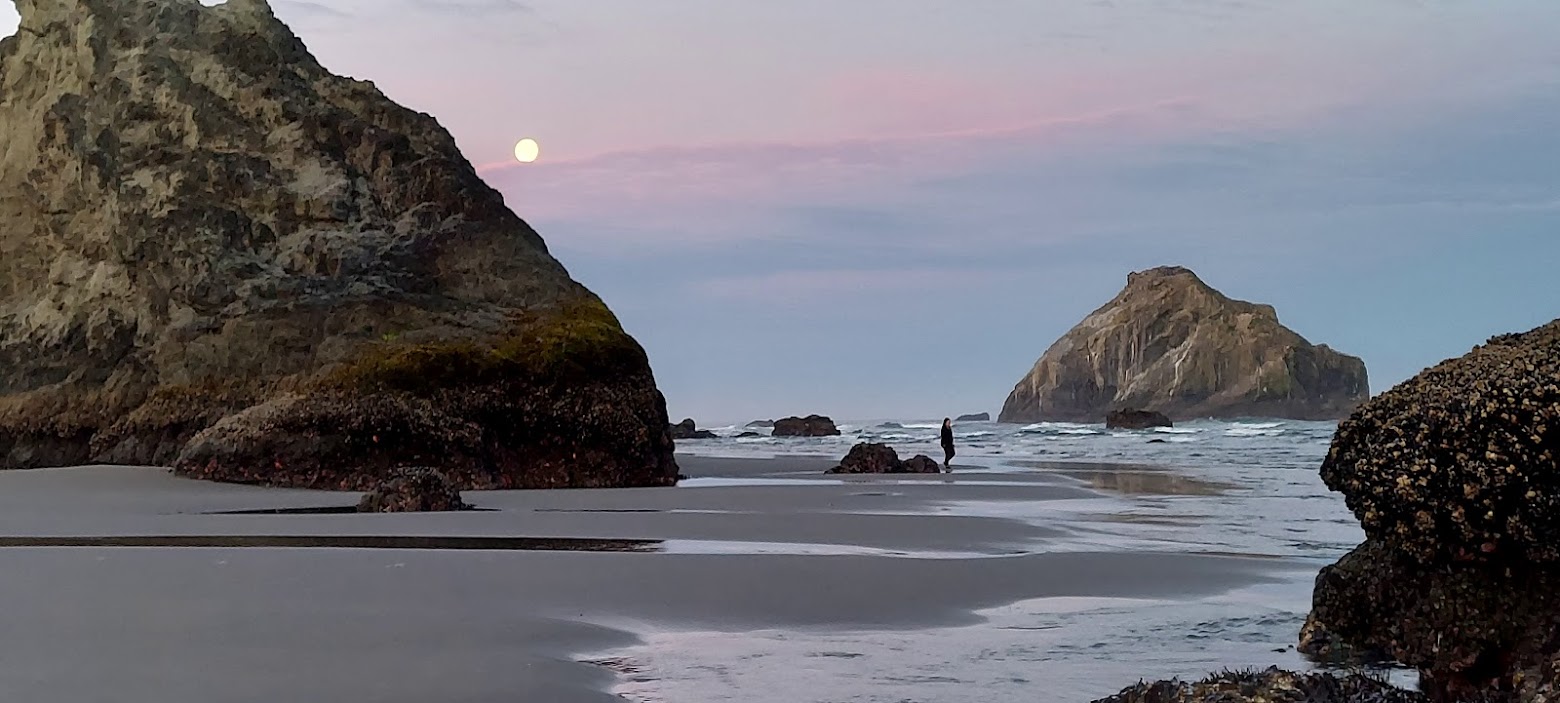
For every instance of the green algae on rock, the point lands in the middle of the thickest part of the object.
(216, 254)
(1172, 344)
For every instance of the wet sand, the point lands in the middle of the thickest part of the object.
(374, 621)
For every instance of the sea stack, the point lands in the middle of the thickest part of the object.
(215, 254)
(1170, 343)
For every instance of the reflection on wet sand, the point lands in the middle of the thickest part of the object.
(1132, 480)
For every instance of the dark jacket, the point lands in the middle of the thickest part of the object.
(947, 436)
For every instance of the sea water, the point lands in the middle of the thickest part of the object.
(1243, 487)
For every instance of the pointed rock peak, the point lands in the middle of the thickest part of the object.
(1161, 273)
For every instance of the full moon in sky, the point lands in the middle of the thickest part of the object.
(527, 151)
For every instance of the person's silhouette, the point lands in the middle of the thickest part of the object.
(947, 444)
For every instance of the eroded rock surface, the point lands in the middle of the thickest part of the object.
(216, 254)
(1170, 343)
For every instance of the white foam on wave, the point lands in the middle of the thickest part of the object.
(1178, 430)
(1252, 432)
(1078, 431)
(1258, 425)
(922, 425)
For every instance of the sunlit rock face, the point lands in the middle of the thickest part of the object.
(1171, 344)
(215, 253)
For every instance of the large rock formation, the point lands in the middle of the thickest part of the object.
(1462, 460)
(1454, 477)
(216, 254)
(1170, 343)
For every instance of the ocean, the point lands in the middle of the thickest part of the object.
(1244, 487)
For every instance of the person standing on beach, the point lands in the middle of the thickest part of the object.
(947, 444)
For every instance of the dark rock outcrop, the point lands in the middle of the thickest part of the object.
(1320, 644)
(1453, 475)
(810, 426)
(1136, 420)
(413, 490)
(688, 430)
(1170, 343)
(1269, 686)
(977, 417)
(1463, 460)
(217, 255)
(871, 458)
(746, 435)
(1469, 626)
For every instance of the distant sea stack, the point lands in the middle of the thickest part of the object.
(216, 255)
(1170, 343)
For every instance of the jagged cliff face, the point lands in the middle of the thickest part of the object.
(195, 217)
(1170, 343)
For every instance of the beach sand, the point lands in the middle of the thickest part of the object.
(732, 551)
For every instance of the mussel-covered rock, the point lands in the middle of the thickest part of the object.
(1269, 686)
(1460, 462)
(413, 490)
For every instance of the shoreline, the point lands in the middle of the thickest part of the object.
(867, 554)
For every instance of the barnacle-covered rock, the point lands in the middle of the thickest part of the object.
(1269, 686)
(1463, 460)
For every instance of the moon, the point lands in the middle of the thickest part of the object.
(527, 150)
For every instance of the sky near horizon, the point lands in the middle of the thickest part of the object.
(890, 208)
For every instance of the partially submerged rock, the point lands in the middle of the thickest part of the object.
(413, 490)
(1463, 460)
(977, 417)
(688, 430)
(1168, 342)
(1131, 419)
(873, 458)
(810, 426)
(217, 255)
(1269, 686)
